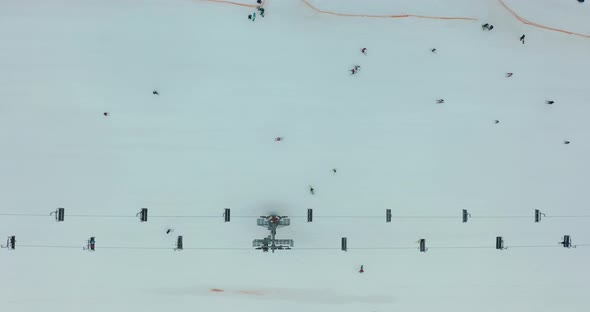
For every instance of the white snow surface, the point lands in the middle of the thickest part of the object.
(228, 86)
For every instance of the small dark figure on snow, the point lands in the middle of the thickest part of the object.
(485, 26)
(433, 50)
(357, 67)
(311, 190)
(261, 10)
(496, 121)
(566, 142)
(364, 51)
(491, 27)
(440, 101)
(362, 270)
(155, 92)
(334, 170)
(106, 114)
(522, 39)
(549, 102)
(168, 231)
(508, 75)
(278, 139)
(353, 71)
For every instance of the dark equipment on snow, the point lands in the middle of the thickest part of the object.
(538, 215)
(344, 247)
(178, 243)
(309, 215)
(549, 102)
(226, 215)
(388, 215)
(10, 243)
(59, 214)
(466, 215)
(500, 243)
(90, 244)
(567, 242)
(143, 215)
(423, 245)
(272, 223)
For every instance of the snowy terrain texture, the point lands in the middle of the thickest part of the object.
(228, 86)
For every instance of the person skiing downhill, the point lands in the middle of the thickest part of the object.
(522, 38)
(361, 270)
(357, 67)
(311, 190)
(433, 50)
(261, 10)
(364, 51)
(106, 114)
(440, 101)
(508, 75)
(353, 71)
(549, 102)
(278, 139)
(155, 92)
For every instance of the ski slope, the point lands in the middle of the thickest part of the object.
(227, 87)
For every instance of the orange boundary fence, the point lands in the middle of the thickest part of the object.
(510, 10)
(387, 16)
(527, 22)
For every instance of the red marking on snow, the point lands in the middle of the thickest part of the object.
(216, 290)
(251, 292)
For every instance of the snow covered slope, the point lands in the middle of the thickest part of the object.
(228, 86)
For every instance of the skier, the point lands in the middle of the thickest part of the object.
(361, 270)
(334, 170)
(155, 92)
(549, 102)
(278, 139)
(485, 26)
(491, 27)
(168, 231)
(252, 16)
(261, 10)
(496, 121)
(433, 50)
(364, 51)
(522, 38)
(311, 190)
(566, 142)
(440, 101)
(91, 243)
(106, 114)
(508, 75)
(357, 67)
(353, 71)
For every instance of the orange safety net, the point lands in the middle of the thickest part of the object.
(527, 22)
(387, 16)
(313, 7)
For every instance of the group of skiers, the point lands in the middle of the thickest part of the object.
(356, 68)
(260, 10)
